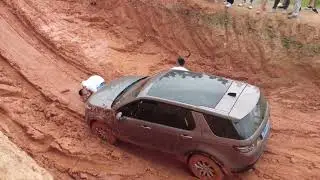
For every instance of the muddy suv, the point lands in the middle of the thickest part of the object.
(215, 125)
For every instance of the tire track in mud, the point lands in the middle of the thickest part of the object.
(37, 68)
(39, 132)
(68, 149)
(21, 21)
(19, 129)
(46, 147)
(44, 143)
(51, 130)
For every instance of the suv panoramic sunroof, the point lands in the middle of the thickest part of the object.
(192, 88)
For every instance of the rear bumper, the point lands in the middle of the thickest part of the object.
(249, 160)
(250, 166)
(260, 151)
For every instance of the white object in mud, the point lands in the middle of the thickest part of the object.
(180, 68)
(93, 83)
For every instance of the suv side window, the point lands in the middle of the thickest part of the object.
(145, 110)
(129, 110)
(221, 127)
(138, 109)
(159, 113)
(173, 116)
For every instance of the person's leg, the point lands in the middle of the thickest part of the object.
(276, 2)
(298, 6)
(314, 6)
(229, 4)
(281, 4)
(286, 4)
(296, 9)
(311, 3)
(250, 5)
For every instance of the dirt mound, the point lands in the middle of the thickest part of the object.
(15, 164)
(134, 37)
(47, 47)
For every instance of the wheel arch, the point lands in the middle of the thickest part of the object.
(92, 120)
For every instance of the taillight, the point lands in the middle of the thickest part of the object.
(245, 149)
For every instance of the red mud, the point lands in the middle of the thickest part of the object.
(48, 46)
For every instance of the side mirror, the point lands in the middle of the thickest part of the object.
(119, 116)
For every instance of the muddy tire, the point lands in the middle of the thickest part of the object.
(102, 130)
(204, 167)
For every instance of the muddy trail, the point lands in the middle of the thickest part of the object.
(48, 46)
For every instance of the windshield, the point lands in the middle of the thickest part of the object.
(248, 125)
(131, 91)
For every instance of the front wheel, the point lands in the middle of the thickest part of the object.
(102, 130)
(204, 167)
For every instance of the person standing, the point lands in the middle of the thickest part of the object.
(90, 86)
(180, 64)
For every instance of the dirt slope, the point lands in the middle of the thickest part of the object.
(48, 47)
(16, 164)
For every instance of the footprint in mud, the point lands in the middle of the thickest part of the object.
(3, 110)
(6, 81)
(4, 114)
(10, 91)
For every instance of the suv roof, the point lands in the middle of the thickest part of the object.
(197, 89)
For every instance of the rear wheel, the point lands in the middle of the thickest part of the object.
(103, 131)
(204, 167)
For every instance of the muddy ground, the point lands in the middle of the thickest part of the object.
(48, 46)
(16, 164)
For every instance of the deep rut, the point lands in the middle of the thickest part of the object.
(46, 51)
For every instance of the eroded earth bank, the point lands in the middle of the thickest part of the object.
(48, 46)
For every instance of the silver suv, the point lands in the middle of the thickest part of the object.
(215, 125)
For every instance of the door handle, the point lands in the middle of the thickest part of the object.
(145, 127)
(185, 136)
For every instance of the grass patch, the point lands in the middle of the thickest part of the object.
(305, 3)
(218, 19)
(289, 42)
(270, 32)
(313, 49)
(303, 49)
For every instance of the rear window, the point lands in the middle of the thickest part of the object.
(221, 127)
(248, 125)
